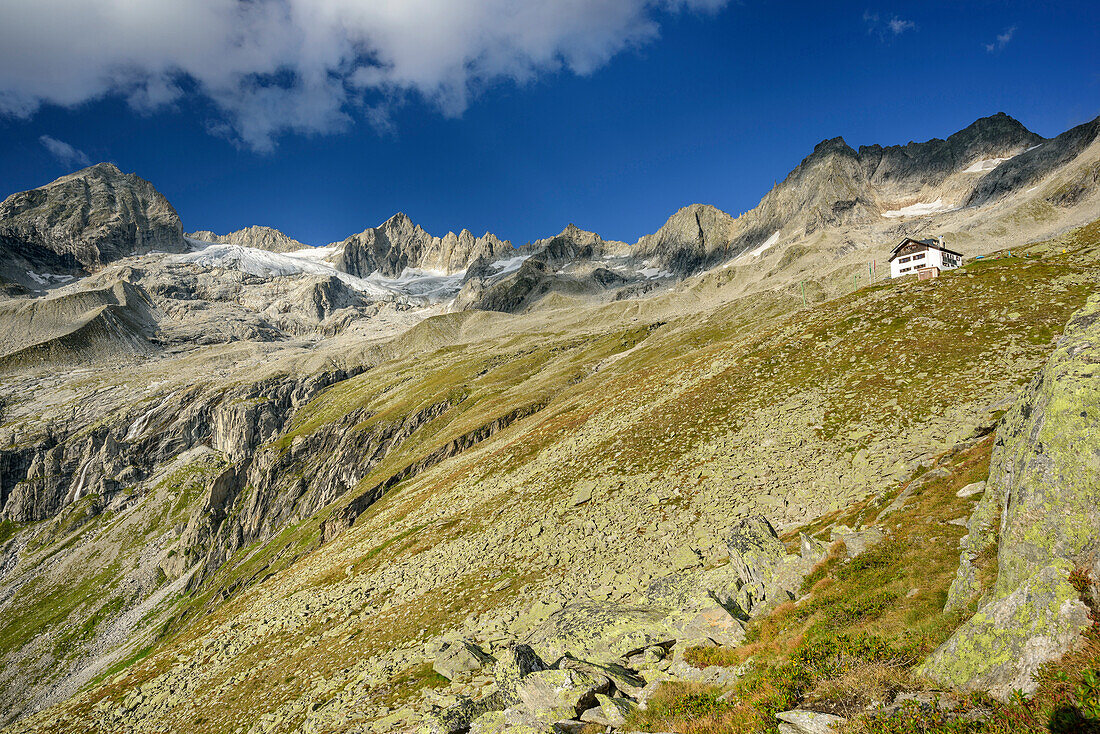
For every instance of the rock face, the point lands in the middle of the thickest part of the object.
(262, 238)
(397, 244)
(572, 243)
(1041, 508)
(690, 237)
(88, 219)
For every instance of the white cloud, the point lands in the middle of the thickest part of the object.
(882, 26)
(305, 66)
(1002, 40)
(66, 154)
(898, 26)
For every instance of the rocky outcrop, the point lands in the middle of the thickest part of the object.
(90, 218)
(398, 244)
(38, 480)
(1041, 510)
(261, 238)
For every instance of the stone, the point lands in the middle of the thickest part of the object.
(462, 657)
(624, 679)
(800, 721)
(559, 694)
(683, 557)
(755, 549)
(601, 630)
(609, 711)
(1041, 510)
(515, 663)
(971, 489)
(1000, 648)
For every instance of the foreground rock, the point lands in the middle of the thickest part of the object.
(807, 722)
(1041, 509)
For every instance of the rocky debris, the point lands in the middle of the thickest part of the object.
(398, 244)
(1040, 508)
(89, 219)
(800, 721)
(77, 327)
(530, 696)
(261, 238)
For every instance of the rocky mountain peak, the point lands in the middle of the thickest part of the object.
(259, 237)
(89, 218)
(834, 146)
(399, 243)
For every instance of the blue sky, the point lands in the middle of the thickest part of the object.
(708, 103)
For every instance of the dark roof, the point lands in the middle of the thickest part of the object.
(927, 243)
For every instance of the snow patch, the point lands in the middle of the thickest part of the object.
(264, 264)
(654, 273)
(767, 243)
(47, 278)
(916, 210)
(507, 265)
(987, 165)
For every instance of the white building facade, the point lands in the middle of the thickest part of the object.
(923, 258)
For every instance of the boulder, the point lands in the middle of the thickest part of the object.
(624, 679)
(515, 663)
(462, 657)
(609, 711)
(755, 549)
(553, 695)
(1004, 643)
(602, 630)
(807, 722)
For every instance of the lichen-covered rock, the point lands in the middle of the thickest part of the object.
(1041, 509)
(552, 695)
(602, 630)
(755, 549)
(807, 722)
(515, 663)
(463, 657)
(1003, 645)
(609, 711)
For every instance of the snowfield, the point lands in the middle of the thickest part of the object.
(422, 284)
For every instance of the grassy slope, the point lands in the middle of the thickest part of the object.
(639, 403)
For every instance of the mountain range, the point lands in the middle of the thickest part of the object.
(407, 482)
